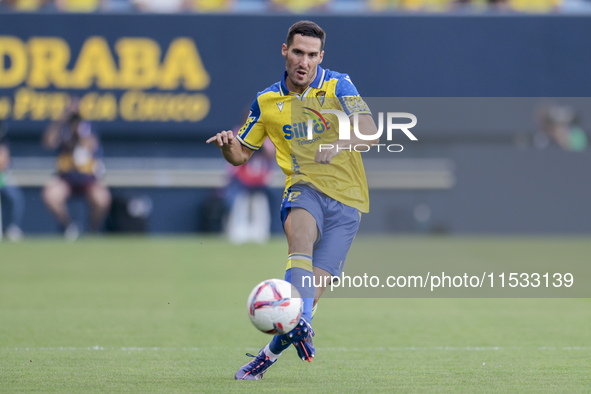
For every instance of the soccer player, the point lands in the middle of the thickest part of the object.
(78, 167)
(326, 188)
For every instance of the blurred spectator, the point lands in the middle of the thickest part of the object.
(159, 6)
(499, 5)
(117, 6)
(382, 5)
(10, 193)
(410, 5)
(561, 125)
(299, 6)
(78, 167)
(27, 5)
(209, 5)
(80, 5)
(248, 195)
(535, 6)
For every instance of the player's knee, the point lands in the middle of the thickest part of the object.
(301, 240)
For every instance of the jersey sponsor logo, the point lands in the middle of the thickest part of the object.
(316, 124)
(298, 130)
(316, 116)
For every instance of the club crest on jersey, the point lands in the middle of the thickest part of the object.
(280, 106)
(320, 96)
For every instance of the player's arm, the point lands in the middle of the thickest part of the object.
(51, 135)
(87, 138)
(233, 151)
(90, 142)
(50, 139)
(4, 157)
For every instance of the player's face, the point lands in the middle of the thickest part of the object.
(301, 59)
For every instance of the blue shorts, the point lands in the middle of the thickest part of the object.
(79, 182)
(337, 225)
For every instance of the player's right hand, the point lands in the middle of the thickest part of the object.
(221, 139)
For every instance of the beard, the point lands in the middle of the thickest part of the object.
(293, 75)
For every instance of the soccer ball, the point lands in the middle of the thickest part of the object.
(275, 306)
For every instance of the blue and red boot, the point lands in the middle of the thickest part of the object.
(255, 369)
(301, 337)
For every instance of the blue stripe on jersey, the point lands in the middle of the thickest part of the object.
(253, 118)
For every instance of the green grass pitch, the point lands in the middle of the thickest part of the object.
(169, 315)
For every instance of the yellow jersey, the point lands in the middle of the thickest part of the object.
(283, 117)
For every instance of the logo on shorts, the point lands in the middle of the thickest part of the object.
(293, 196)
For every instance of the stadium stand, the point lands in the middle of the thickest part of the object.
(299, 6)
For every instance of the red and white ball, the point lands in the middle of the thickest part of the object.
(275, 306)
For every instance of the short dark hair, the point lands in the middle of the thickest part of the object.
(307, 29)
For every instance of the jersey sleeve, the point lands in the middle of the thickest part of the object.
(349, 97)
(252, 134)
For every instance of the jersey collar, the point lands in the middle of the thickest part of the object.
(316, 83)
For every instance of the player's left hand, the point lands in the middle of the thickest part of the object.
(324, 154)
